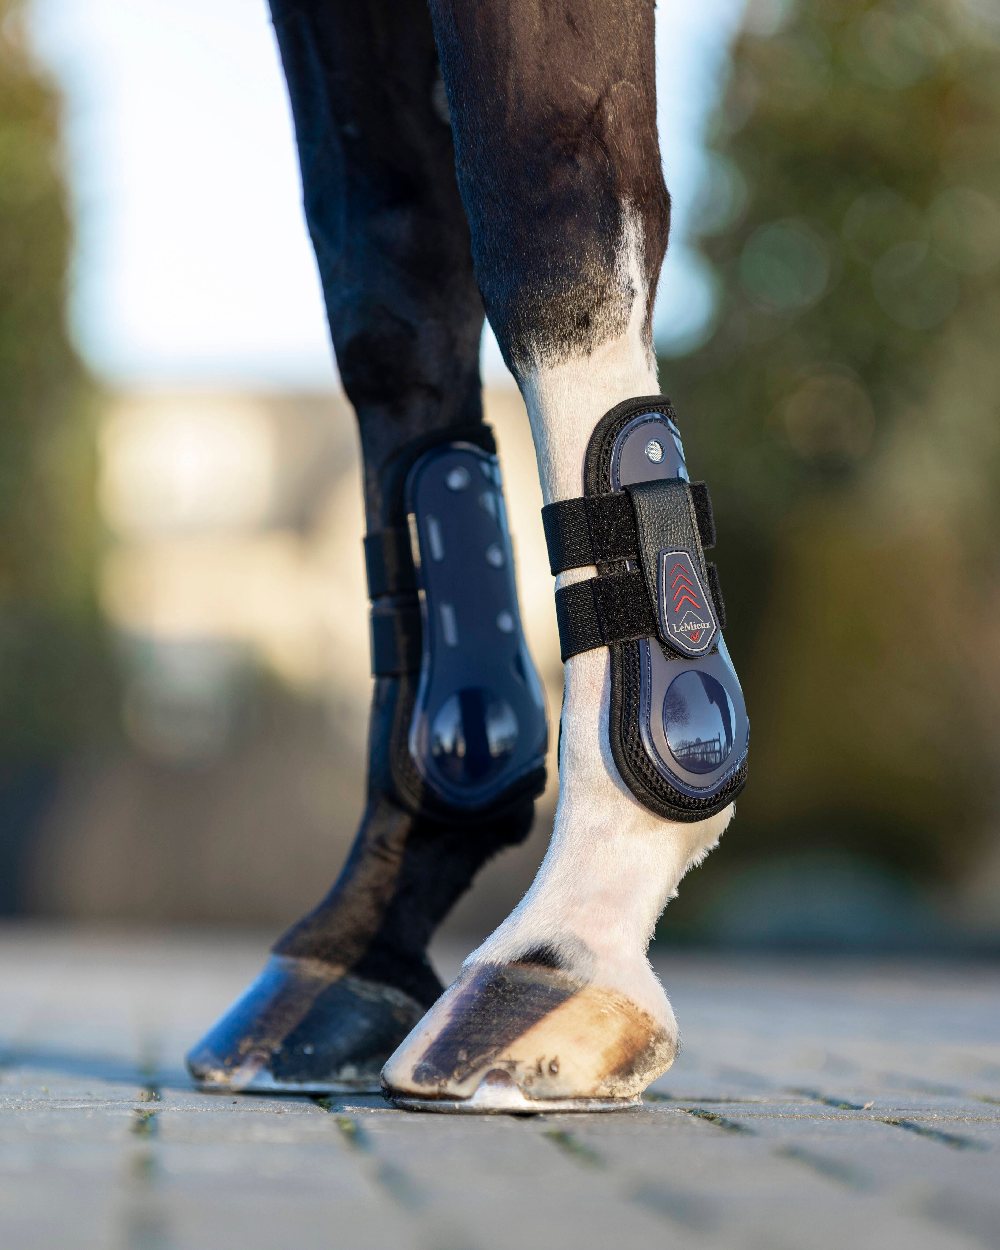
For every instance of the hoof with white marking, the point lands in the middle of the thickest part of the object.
(522, 1038)
(304, 1026)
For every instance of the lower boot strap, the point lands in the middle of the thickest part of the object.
(603, 610)
(395, 637)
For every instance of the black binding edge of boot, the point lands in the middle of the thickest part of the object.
(396, 638)
(634, 613)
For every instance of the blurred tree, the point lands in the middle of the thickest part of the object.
(849, 389)
(50, 653)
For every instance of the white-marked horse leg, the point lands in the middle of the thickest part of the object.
(559, 169)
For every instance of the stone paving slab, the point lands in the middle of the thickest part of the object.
(815, 1105)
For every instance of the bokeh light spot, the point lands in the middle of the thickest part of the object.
(721, 198)
(966, 229)
(785, 266)
(914, 287)
(878, 219)
(829, 419)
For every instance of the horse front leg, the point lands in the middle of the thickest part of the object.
(449, 782)
(553, 110)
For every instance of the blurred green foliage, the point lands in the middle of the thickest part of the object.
(51, 670)
(844, 407)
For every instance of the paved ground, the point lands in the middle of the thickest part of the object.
(814, 1105)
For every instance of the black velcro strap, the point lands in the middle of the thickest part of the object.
(395, 637)
(603, 610)
(703, 511)
(715, 590)
(389, 563)
(594, 529)
(598, 529)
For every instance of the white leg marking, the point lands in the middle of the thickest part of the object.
(611, 866)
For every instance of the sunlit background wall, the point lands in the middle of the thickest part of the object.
(183, 627)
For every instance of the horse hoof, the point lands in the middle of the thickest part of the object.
(496, 1094)
(522, 1038)
(304, 1026)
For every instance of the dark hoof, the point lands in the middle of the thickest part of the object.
(304, 1026)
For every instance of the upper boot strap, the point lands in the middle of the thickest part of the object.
(395, 610)
(598, 529)
(389, 563)
(667, 590)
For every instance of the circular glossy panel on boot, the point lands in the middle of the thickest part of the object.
(698, 721)
(473, 734)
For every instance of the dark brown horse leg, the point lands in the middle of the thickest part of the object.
(553, 110)
(347, 982)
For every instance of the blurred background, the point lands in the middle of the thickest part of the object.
(183, 625)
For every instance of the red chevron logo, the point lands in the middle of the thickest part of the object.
(683, 589)
(686, 620)
(685, 593)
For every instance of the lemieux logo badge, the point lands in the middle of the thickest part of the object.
(687, 616)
